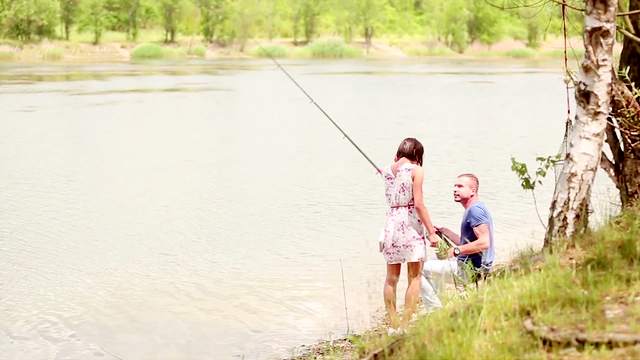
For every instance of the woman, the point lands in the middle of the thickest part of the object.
(402, 239)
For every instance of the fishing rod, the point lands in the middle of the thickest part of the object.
(444, 237)
(320, 108)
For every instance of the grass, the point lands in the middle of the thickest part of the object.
(53, 54)
(171, 53)
(522, 53)
(150, 51)
(430, 51)
(329, 49)
(590, 283)
(147, 51)
(7, 55)
(275, 51)
(197, 51)
(145, 35)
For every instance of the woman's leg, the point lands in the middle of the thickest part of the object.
(393, 274)
(414, 271)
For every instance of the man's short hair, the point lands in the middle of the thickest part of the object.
(474, 180)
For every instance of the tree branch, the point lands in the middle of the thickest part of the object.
(625, 13)
(502, 7)
(573, 7)
(629, 35)
(626, 18)
(567, 5)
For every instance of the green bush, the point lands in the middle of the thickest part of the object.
(147, 51)
(198, 51)
(331, 49)
(275, 51)
(28, 19)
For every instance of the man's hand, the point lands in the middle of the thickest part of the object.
(450, 254)
(449, 233)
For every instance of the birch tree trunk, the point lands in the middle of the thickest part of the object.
(568, 213)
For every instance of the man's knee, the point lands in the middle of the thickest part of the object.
(432, 267)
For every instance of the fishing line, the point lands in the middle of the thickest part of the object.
(320, 108)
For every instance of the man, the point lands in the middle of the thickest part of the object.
(474, 246)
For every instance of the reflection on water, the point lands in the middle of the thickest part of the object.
(201, 210)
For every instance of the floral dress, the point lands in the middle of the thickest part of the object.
(403, 235)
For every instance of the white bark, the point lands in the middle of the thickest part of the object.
(568, 212)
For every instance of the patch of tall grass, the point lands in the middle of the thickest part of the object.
(197, 51)
(275, 51)
(53, 54)
(171, 53)
(147, 51)
(7, 55)
(329, 49)
(151, 51)
(568, 288)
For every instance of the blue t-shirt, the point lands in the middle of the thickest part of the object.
(475, 215)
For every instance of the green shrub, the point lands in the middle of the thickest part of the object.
(275, 51)
(331, 49)
(198, 51)
(147, 51)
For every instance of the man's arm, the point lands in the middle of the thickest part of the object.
(450, 234)
(480, 245)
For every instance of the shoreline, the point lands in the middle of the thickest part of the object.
(75, 52)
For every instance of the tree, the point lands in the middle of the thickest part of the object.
(568, 213)
(93, 17)
(68, 10)
(485, 23)
(212, 14)
(25, 19)
(370, 15)
(346, 18)
(190, 19)
(306, 14)
(246, 19)
(623, 136)
(133, 11)
(630, 56)
(170, 14)
(455, 19)
(275, 12)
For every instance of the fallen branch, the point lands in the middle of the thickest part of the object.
(574, 338)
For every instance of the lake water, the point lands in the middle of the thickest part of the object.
(201, 210)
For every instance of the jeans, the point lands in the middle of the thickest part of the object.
(436, 272)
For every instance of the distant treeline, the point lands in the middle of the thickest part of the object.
(453, 23)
